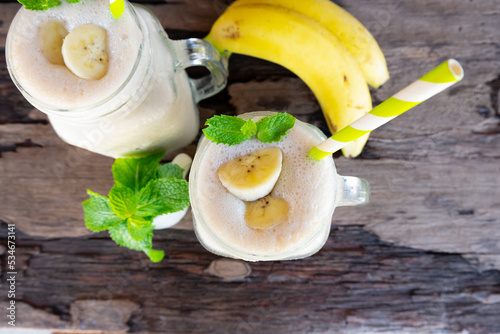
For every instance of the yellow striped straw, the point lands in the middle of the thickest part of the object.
(434, 82)
(117, 7)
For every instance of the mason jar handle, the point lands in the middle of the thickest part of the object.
(198, 52)
(352, 191)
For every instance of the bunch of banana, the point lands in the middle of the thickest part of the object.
(321, 43)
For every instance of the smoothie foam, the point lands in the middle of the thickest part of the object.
(308, 186)
(55, 83)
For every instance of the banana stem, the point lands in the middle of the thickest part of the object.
(225, 54)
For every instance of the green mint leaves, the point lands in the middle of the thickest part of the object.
(98, 213)
(225, 130)
(273, 128)
(231, 130)
(249, 129)
(170, 170)
(42, 4)
(142, 191)
(136, 173)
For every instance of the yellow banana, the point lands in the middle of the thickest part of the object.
(305, 47)
(346, 28)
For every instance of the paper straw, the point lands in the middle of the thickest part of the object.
(437, 80)
(117, 7)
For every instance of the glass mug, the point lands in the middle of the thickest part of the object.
(344, 191)
(153, 110)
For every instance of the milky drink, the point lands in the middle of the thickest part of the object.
(311, 188)
(143, 104)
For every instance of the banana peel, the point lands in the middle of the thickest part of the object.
(306, 47)
(356, 38)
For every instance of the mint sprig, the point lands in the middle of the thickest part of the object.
(42, 4)
(142, 191)
(231, 130)
(225, 129)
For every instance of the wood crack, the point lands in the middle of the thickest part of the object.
(28, 143)
(495, 89)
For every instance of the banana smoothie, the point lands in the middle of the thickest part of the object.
(108, 85)
(293, 215)
(35, 44)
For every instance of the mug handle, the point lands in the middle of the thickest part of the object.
(352, 191)
(198, 52)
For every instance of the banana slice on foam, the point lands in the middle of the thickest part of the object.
(266, 212)
(85, 51)
(51, 36)
(252, 176)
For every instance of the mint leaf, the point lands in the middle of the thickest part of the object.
(42, 4)
(225, 129)
(120, 234)
(163, 196)
(154, 255)
(231, 130)
(39, 4)
(149, 201)
(272, 128)
(136, 173)
(170, 170)
(249, 129)
(123, 201)
(139, 227)
(174, 193)
(98, 213)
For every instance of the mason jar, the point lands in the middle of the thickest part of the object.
(313, 190)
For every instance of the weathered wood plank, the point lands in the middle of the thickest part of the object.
(355, 283)
(7, 13)
(51, 177)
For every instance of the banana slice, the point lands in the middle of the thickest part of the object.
(252, 176)
(85, 51)
(266, 212)
(51, 35)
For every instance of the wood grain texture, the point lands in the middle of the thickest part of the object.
(422, 257)
(355, 284)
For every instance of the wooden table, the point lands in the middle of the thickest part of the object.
(422, 257)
